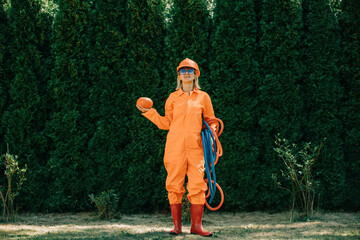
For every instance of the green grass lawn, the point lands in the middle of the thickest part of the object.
(255, 225)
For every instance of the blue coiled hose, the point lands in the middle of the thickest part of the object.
(210, 156)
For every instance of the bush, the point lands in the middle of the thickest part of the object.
(106, 203)
(298, 172)
(15, 178)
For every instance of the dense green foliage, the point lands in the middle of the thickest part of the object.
(4, 73)
(322, 98)
(26, 110)
(69, 127)
(70, 77)
(235, 73)
(350, 71)
(143, 77)
(280, 104)
(107, 94)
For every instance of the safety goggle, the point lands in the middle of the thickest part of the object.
(189, 71)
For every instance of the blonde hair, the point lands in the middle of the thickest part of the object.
(196, 83)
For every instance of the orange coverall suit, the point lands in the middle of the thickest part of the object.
(183, 150)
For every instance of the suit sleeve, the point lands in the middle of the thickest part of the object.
(208, 108)
(160, 121)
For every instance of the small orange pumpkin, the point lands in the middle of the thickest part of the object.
(145, 102)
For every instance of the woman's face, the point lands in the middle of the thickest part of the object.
(185, 76)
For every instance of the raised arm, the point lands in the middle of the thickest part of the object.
(160, 121)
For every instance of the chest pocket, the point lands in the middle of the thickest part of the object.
(196, 109)
(196, 112)
(196, 117)
(179, 108)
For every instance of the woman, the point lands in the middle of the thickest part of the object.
(184, 111)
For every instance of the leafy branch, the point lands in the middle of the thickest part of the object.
(298, 165)
(15, 179)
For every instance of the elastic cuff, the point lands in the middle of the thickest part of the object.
(197, 200)
(150, 112)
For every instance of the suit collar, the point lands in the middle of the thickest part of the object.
(179, 92)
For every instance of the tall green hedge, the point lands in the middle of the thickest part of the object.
(235, 76)
(322, 98)
(350, 75)
(4, 73)
(70, 77)
(69, 127)
(107, 63)
(143, 75)
(280, 106)
(26, 112)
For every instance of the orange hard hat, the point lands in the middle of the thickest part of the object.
(187, 62)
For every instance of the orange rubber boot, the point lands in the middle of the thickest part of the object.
(196, 220)
(176, 216)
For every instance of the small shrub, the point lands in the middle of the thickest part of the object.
(106, 204)
(298, 173)
(15, 178)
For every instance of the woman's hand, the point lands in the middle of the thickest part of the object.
(214, 127)
(142, 109)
